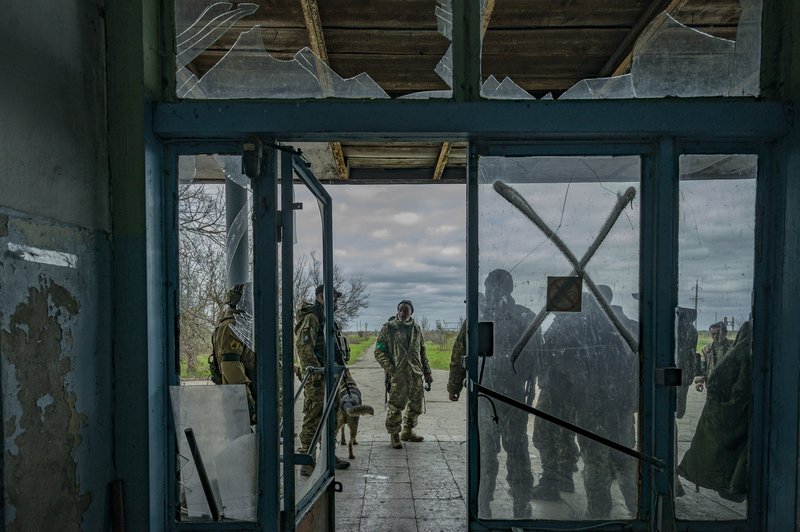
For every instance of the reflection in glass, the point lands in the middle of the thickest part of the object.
(715, 284)
(545, 217)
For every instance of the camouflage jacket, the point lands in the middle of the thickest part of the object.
(309, 337)
(457, 370)
(712, 354)
(400, 347)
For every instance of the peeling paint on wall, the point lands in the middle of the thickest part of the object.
(56, 374)
(38, 478)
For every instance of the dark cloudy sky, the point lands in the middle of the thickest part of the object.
(408, 241)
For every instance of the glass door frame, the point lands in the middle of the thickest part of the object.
(267, 223)
(292, 164)
(672, 126)
(658, 267)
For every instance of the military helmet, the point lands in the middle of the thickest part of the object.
(499, 281)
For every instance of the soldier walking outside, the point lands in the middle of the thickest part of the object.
(400, 350)
(310, 346)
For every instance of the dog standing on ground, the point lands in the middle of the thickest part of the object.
(350, 409)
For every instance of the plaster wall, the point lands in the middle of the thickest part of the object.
(55, 267)
(53, 150)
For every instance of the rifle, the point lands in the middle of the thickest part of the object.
(387, 387)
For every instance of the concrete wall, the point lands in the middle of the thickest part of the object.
(55, 266)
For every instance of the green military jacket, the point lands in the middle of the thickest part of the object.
(457, 370)
(236, 361)
(310, 338)
(717, 457)
(400, 347)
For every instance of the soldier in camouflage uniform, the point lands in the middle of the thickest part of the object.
(455, 382)
(713, 353)
(231, 344)
(510, 427)
(458, 371)
(400, 350)
(591, 381)
(310, 348)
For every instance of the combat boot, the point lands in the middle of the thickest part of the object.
(408, 434)
(341, 464)
(546, 490)
(395, 443)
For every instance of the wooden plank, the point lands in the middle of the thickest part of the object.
(340, 161)
(441, 161)
(390, 162)
(398, 152)
(398, 42)
(674, 6)
(626, 45)
(556, 43)
(576, 13)
(316, 39)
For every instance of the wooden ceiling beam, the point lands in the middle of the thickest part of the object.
(444, 150)
(441, 162)
(621, 59)
(316, 39)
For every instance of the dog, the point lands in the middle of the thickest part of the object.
(350, 409)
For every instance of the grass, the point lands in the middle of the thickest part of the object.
(438, 353)
(359, 344)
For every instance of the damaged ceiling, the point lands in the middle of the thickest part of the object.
(543, 46)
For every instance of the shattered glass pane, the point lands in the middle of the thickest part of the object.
(219, 419)
(227, 50)
(712, 335)
(674, 55)
(542, 217)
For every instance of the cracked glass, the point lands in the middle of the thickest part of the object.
(540, 218)
(713, 335)
(308, 49)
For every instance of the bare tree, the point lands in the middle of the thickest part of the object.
(202, 263)
(201, 254)
(308, 275)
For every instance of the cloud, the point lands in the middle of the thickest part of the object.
(406, 218)
(409, 241)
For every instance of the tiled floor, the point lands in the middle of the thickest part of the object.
(417, 488)
(422, 487)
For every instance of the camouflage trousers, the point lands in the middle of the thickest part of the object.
(405, 401)
(511, 432)
(313, 406)
(602, 464)
(556, 445)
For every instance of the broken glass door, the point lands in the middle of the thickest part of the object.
(558, 281)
